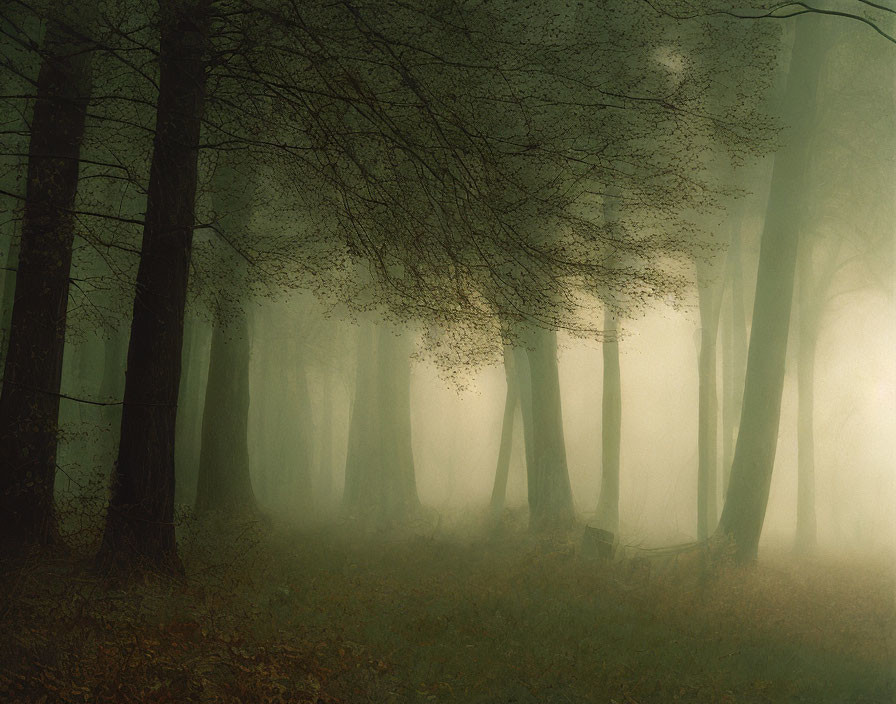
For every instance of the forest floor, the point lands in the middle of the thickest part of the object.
(325, 615)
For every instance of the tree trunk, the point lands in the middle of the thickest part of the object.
(552, 505)
(395, 391)
(299, 427)
(611, 428)
(140, 519)
(511, 400)
(707, 422)
(380, 484)
(325, 456)
(112, 386)
(806, 536)
(524, 386)
(363, 431)
(196, 349)
(29, 401)
(224, 483)
(754, 454)
(734, 353)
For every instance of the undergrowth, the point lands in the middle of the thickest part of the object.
(269, 613)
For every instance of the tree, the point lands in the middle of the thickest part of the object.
(754, 455)
(139, 523)
(29, 402)
(224, 482)
(380, 485)
(611, 427)
(511, 403)
(550, 504)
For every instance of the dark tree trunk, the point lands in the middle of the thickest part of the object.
(511, 401)
(29, 402)
(754, 454)
(140, 519)
(611, 428)
(550, 507)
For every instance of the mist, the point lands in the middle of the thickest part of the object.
(389, 352)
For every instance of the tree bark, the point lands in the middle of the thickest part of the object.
(611, 428)
(551, 506)
(754, 454)
(511, 400)
(140, 519)
(29, 401)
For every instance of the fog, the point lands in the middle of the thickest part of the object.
(440, 351)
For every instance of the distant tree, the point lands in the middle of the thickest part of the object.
(380, 482)
(840, 251)
(511, 404)
(224, 482)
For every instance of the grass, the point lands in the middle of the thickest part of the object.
(328, 615)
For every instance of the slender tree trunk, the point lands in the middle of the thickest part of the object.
(299, 425)
(325, 434)
(611, 428)
(29, 401)
(511, 400)
(363, 432)
(552, 507)
(734, 356)
(806, 536)
(754, 454)
(195, 351)
(524, 386)
(224, 482)
(380, 483)
(140, 519)
(707, 424)
(395, 390)
(112, 386)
